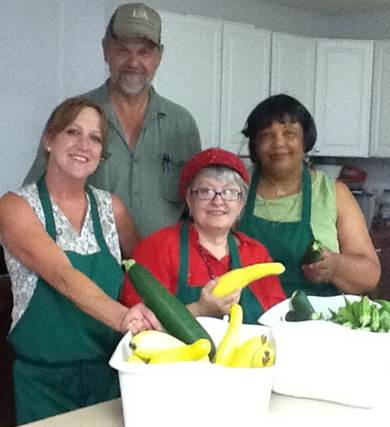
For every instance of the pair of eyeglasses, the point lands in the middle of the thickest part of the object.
(209, 194)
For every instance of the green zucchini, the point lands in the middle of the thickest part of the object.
(173, 315)
(313, 252)
(294, 316)
(301, 305)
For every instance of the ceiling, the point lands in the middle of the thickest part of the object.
(338, 6)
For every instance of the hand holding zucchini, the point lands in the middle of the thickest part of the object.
(241, 277)
(174, 316)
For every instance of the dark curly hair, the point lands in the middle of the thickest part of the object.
(280, 108)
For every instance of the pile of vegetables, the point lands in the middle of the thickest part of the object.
(364, 314)
(185, 338)
(156, 347)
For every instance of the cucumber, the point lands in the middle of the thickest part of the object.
(173, 315)
(294, 316)
(301, 305)
(313, 252)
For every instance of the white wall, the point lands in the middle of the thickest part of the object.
(373, 26)
(50, 49)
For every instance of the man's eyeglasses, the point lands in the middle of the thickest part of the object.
(209, 194)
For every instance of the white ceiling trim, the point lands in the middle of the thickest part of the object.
(337, 6)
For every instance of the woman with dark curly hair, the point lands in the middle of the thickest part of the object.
(289, 205)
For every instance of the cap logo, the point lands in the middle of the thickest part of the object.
(140, 14)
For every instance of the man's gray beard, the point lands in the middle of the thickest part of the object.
(133, 84)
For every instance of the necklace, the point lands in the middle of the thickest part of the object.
(271, 218)
(280, 192)
(202, 252)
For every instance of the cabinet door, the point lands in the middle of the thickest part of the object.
(190, 70)
(380, 123)
(343, 97)
(293, 67)
(245, 80)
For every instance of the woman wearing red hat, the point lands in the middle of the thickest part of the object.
(289, 205)
(189, 256)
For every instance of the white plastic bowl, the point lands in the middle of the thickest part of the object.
(323, 360)
(193, 393)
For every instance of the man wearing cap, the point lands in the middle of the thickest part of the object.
(189, 256)
(149, 137)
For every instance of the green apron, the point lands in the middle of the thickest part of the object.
(189, 294)
(286, 241)
(61, 353)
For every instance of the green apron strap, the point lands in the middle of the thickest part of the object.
(184, 257)
(47, 208)
(306, 196)
(250, 203)
(97, 228)
(235, 261)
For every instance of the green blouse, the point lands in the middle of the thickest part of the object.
(323, 215)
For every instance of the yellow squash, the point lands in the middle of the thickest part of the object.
(133, 358)
(146, 344)
(190, 352)
(228, 345)
(241, 277)
(264, 356)
(247, 350)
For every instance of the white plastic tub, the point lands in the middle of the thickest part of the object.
(323, 360)
(193, 393)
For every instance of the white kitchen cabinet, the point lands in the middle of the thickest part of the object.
(190, 71)
(218, 70)
(380, 118)
(293, 67)
(245, 80)
(343, 97)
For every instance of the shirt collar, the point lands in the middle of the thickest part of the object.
(156, 105)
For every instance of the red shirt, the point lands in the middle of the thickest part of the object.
(159, 253)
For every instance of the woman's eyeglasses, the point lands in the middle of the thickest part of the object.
(209, 194)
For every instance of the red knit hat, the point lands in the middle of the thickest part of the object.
(209, 157)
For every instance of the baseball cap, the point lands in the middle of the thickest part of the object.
(210, 157)
(135, 20)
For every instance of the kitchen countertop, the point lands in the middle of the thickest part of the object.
(282, 410)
